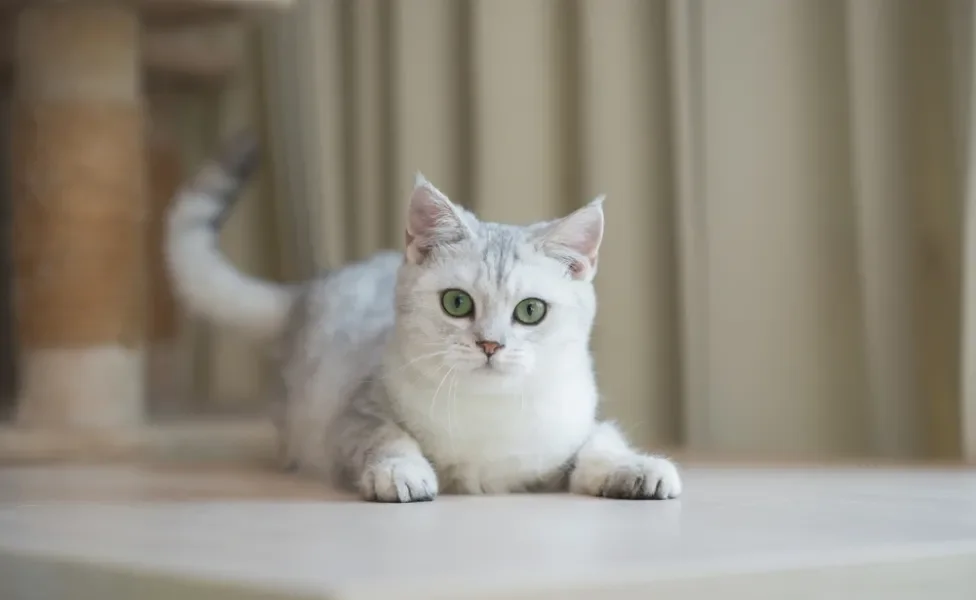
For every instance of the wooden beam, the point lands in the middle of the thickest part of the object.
(177, 12)
(192, 56)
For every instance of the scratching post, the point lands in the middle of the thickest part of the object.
(79, 213)
(92, 175)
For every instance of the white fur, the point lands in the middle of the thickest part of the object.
(384, 390)
(493, 438)
(606, 461)
(210, 286)
(494, 431)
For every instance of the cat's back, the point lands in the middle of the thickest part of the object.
(336, 335)
(350, 306)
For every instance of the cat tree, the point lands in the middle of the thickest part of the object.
(81, 193)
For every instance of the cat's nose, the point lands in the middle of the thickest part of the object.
(489, 347)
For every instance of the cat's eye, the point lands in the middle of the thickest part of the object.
(457, 303)
(530, 311)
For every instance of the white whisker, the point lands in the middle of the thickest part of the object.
(452, 399)
(433, 400)
(414, 360)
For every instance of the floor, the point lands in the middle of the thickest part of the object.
(122, 531)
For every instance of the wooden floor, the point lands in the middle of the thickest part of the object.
(121, 531)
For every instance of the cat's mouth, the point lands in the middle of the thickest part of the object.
(491, 367)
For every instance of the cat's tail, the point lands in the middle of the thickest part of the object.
(206, 283)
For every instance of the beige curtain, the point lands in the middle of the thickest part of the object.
(782, 273)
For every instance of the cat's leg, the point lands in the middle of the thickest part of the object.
(382, 460)
(607, 466)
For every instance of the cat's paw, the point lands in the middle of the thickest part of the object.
(399, 479)
(637, 478)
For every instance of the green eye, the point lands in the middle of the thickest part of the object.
(457, 303)
(530, 311)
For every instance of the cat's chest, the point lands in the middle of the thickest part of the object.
(495, 443)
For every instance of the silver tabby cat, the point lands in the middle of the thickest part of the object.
(461, 364)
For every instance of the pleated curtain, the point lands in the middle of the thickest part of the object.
(783, 271)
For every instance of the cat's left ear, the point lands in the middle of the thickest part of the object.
(575, 239)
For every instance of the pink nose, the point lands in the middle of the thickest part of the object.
(489, 348)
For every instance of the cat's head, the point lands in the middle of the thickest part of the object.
(491, 301)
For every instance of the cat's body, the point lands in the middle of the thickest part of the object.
(459, 365)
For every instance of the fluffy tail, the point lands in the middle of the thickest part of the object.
(204, 280)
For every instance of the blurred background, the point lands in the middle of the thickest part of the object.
(783, 269)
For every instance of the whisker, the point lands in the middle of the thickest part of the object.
(452, 399)
(414, 360)
(433, 400)
(423, 356)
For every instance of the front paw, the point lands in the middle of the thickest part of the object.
(399, 479)
(636, 478)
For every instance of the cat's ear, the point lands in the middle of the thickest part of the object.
(575, 239)
(432, 220)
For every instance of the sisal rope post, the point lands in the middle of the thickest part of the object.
(79, 215)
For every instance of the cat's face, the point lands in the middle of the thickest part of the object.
(494, 303)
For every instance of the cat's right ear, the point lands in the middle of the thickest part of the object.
(432, 220)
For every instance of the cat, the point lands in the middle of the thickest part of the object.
(459, 365)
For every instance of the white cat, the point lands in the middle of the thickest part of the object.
(460, 365)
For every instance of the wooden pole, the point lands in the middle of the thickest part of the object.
(968, 351)
(169, 363)
(165, 174)
(79, 211)
(8, 375)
